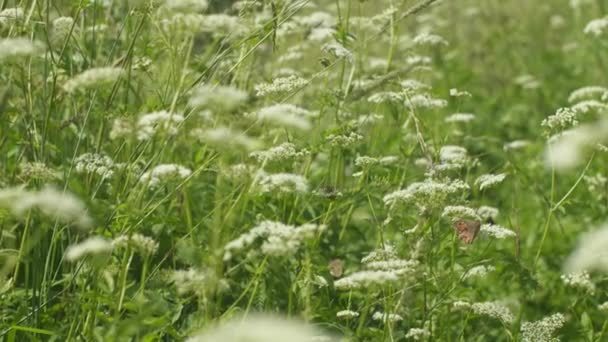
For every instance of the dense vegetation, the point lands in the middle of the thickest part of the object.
(299, 170)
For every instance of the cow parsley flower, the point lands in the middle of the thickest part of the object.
(287, 115)
(338, 50)
(190, 281)
(217, 98)
(581, 280)
(143, 244)
(11, 15)
(386, 96)
(150, 124)
(488, 180)
(386, 318)
(494, 310)
(587, 106)
(163, 173)
(224, 137)
(460, 211)
(590, 253)
(186, 5)
(478, 271)
(460, 117)
(453, 156)
(425, 101)
(515, 145)
(486, 212)
(543, 330)
(59, 205)
(14, 48)
(344, 140)
(92, 246)
(366, 278)
(274, 238)
(429, 39)
(347, 314)
(92, 78)
(427, 193)
(99, 164)
(566, 150)
(596, 27)
(280, 182)
(418, 334)
(496, 231)
(281, 153)
(281, 85)
(564, 117)
(587, 93)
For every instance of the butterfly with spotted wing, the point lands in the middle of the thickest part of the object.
(467, 230)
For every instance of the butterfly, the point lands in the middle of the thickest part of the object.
(467, 230)
(336, 267)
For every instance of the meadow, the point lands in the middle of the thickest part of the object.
(303, 170)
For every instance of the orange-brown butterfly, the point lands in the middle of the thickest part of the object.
(467, 230)
(336, 268)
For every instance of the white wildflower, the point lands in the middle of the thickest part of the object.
(386, 96)
(217, 98)
(590, 253)
(428, 192)
(486, 212)
(566, 151)
(187, 5)
(280, 85)
(280, 182)
(92, 246)
(453, 155)
(158, 122)
(145, 245)
(15, 48)
(344, 140)
(418, 60)
(527, 82)
(603, 306)
(425, 101)
(276, 238)
(460, 211)
(460, 117)
(386, 318)
(121, 128)
(93, 78)
(587, 106)
(543, 330)
(587, 93)
(418, 334)
(286, 115)
(581, 280)
(489, 180)
(494, 310)
(596, 27)
(9, 15)
(515, 145)
(387, 252)
(429, 39)
(496, 231)
(347, 314)
(162, 173)
(460, 305)
(413, 85)
(224, 137)
(59, 205)
(564, 117)
(281, 153)
(99, 164)
(257, 328)
(478, 271)
(459, 93)
(190, 280)
(338, 50)
(363, 279)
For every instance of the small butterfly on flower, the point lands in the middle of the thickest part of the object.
(467, 230)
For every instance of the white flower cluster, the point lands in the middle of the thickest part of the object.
(452, 157)
(363, 279)
(218, 98)
(61, 30)
(186, 5)
(427, 193)
(98, 164)
(287, 115)
(280, 182)
(596, 27)
(224, 137)
(486, 212)
(478, 271)
(515, 145)
(581, 280)
(387, 252)
(587, 106)
(429, 39)
(566, 150)
(564, 117)
(10, 15)
(590, 253)
(92, 78)
(338, 50)
(492, 309)
(411, 85)
(488, 180)
(587, 93)
(190, 280)
(344, 140)
(37, 170)
(281, 153)
(417, 60)
(459, 93)
(280, 85)
(158, 122)
(347, 314)
(59, 205)
(527, 82)
(496, 231)
(92, 246)
(418, 334)
(603, 306)
(460, 211)
(386, 318)
(13, 48)
(277, 239)
(460, 117)
(386, 96)
(425, 101)
(543, 330)
(163, 173)
(143, 244)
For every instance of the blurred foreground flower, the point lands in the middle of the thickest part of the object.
(591, 253)
(259, 329)
(566, 151)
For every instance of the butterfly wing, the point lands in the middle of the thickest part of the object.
(336, 268)
(467, 230)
